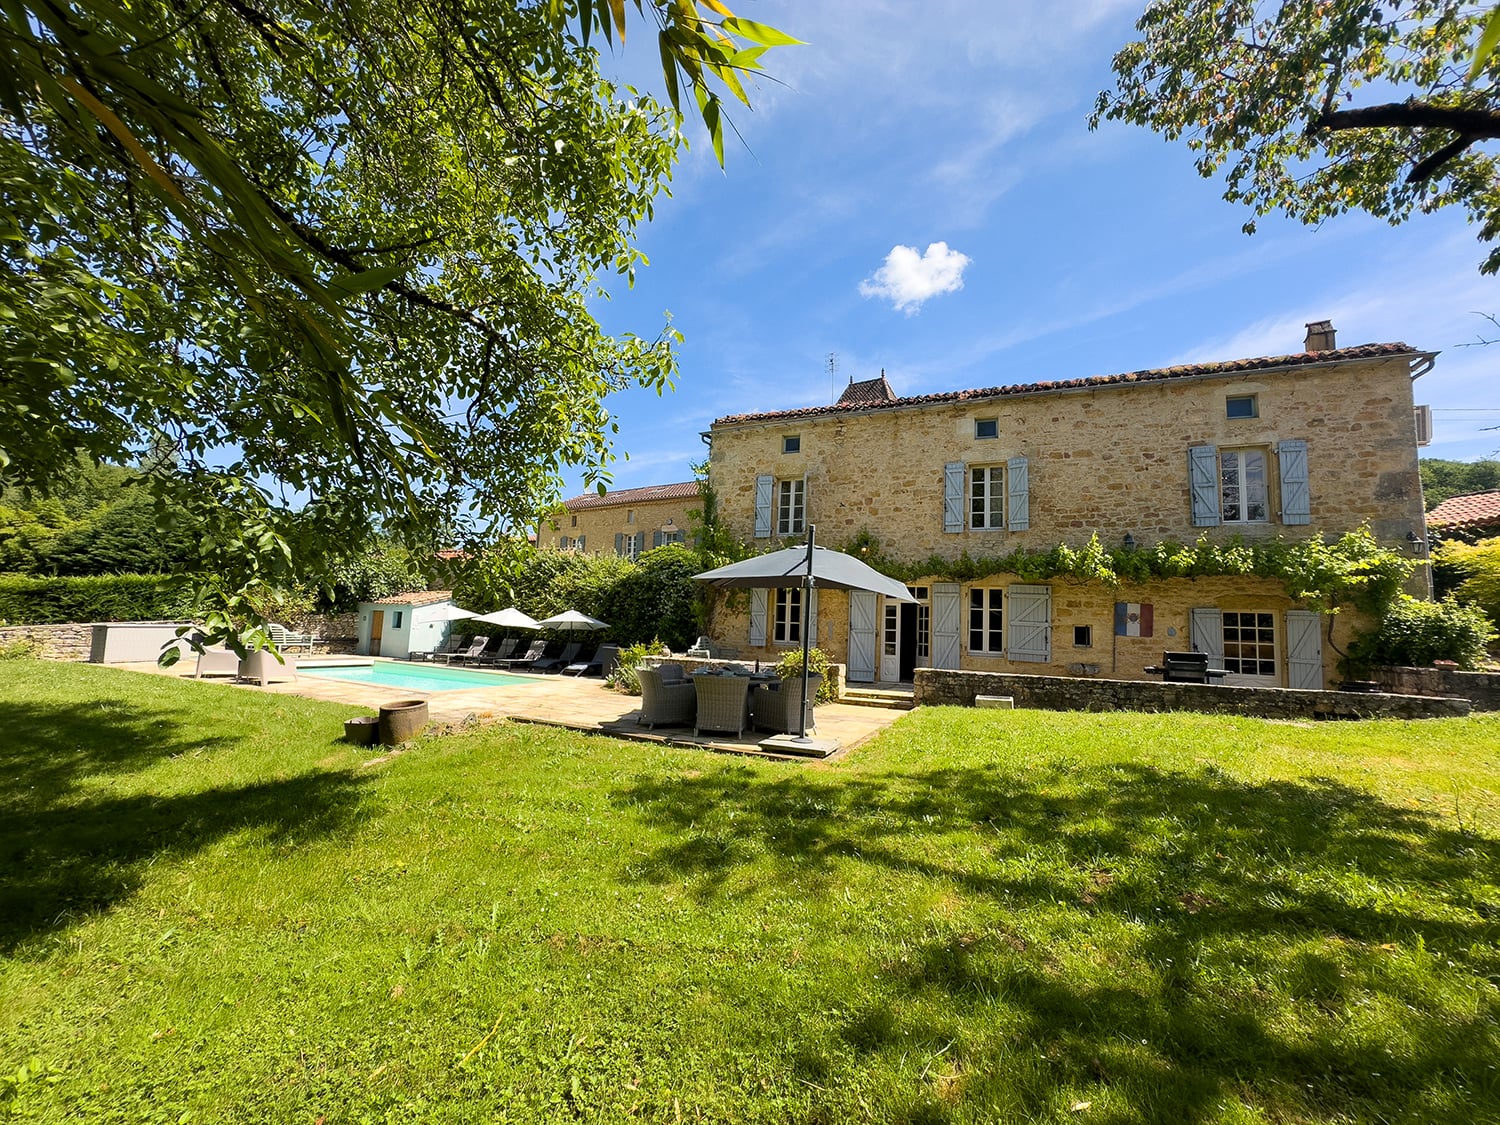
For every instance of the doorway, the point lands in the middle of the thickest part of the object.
(377, 627)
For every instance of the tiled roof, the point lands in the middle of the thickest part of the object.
(1477, 510)
(415, 597)
(1161, 374)
(687, 490)
(871, 390)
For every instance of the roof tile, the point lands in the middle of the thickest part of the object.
(685, 490)
(1476, 510)
(1161, 374)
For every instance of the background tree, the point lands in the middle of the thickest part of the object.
(326, 266)
(1315, 108)
(1442, 479)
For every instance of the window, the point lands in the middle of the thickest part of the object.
(1249, 644)
(396, 620)
(575, 521)
(924, 621)
(789, 507)
(1241, 406)
(986, 622)
(892, 631)
(1242, 486)
(1083, 636)
(791, 443)
(633, 545)
(986, 428)
(788, 622)
(987, 497)
(630, 515)
(563, 543)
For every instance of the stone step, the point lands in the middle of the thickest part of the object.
(895, 700)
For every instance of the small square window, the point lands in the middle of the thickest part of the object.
(630, 515)
(792, 443)
(1083, 636)
(986, 427)
(1241, 406)
(575, 521)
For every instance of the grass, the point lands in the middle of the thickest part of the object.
(211, 910)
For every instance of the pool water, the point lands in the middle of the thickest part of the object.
(417, 677)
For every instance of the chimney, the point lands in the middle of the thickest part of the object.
(1319, 336)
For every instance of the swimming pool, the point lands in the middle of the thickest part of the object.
(418, 677)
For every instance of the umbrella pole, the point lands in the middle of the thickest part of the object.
(807, 587)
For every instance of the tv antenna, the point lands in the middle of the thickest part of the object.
(833, 369)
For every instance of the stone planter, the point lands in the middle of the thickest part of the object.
(362, 730)
(402, 721)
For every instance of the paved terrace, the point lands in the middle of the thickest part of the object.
(563, 701)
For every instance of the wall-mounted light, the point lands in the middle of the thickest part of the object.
(1129, 541)
(1416, 541)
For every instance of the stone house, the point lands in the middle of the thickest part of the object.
(623, 523)
(1318, 442)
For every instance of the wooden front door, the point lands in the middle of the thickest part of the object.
(377, 626)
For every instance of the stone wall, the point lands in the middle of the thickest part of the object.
(1480, 688)
(1051, 693)
(73, 641)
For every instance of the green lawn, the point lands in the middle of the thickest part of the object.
(212, 910)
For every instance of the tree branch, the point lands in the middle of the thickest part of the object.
(1471, 125)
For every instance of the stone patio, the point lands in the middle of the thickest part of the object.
(562, 701)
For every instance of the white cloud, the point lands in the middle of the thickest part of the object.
(909, 278)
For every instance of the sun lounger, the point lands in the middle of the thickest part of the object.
(560, 661)
(454, 644)
(527, 659)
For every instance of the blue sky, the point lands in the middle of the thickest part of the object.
(1068, 253)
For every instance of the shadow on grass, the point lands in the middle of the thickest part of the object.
(1303, 945)
(69, 848)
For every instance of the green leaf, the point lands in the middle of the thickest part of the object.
(1488, 40)
(367, 281)
(759, 33)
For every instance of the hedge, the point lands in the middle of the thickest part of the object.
(108, 597)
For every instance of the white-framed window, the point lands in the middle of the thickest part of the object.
(1083, 636)
(986, 619)
(891, 632)
(791, 443)
(787, 622)
(986, 497)
(1249, 643)
(1244, 488)
(396, 620)
(986, 428)
(791, 513)
(924, 622)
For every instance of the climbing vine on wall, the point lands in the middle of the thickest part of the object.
(1322, 574)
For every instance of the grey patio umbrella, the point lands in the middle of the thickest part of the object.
(449, 612)
(808, 567)
(572, 619)
(509, 618)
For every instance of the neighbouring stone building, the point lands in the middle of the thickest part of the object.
(623, 523)
(1315, 443)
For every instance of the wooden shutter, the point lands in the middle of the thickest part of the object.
(1203, 481)
(619, 544)
(1206, 629)
(1029, 623)
(1296, 501)
(757, 618)
(953, 497)
(945, 619)
(861, 636)
(765, 484)
(638, 543)
(656, 539)
(1017, 480)
(1304, 650)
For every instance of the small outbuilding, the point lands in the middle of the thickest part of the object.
(401, 624)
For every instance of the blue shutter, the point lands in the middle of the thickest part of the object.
(1304, 650)
(1203, 482)
(655, 539)
(764, 485)
(1019, 484)
(1296, 501)
(1029, 623)
(757, 618)
(945, 618)
(953, 497)
(619, 545)
(1206, 626)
